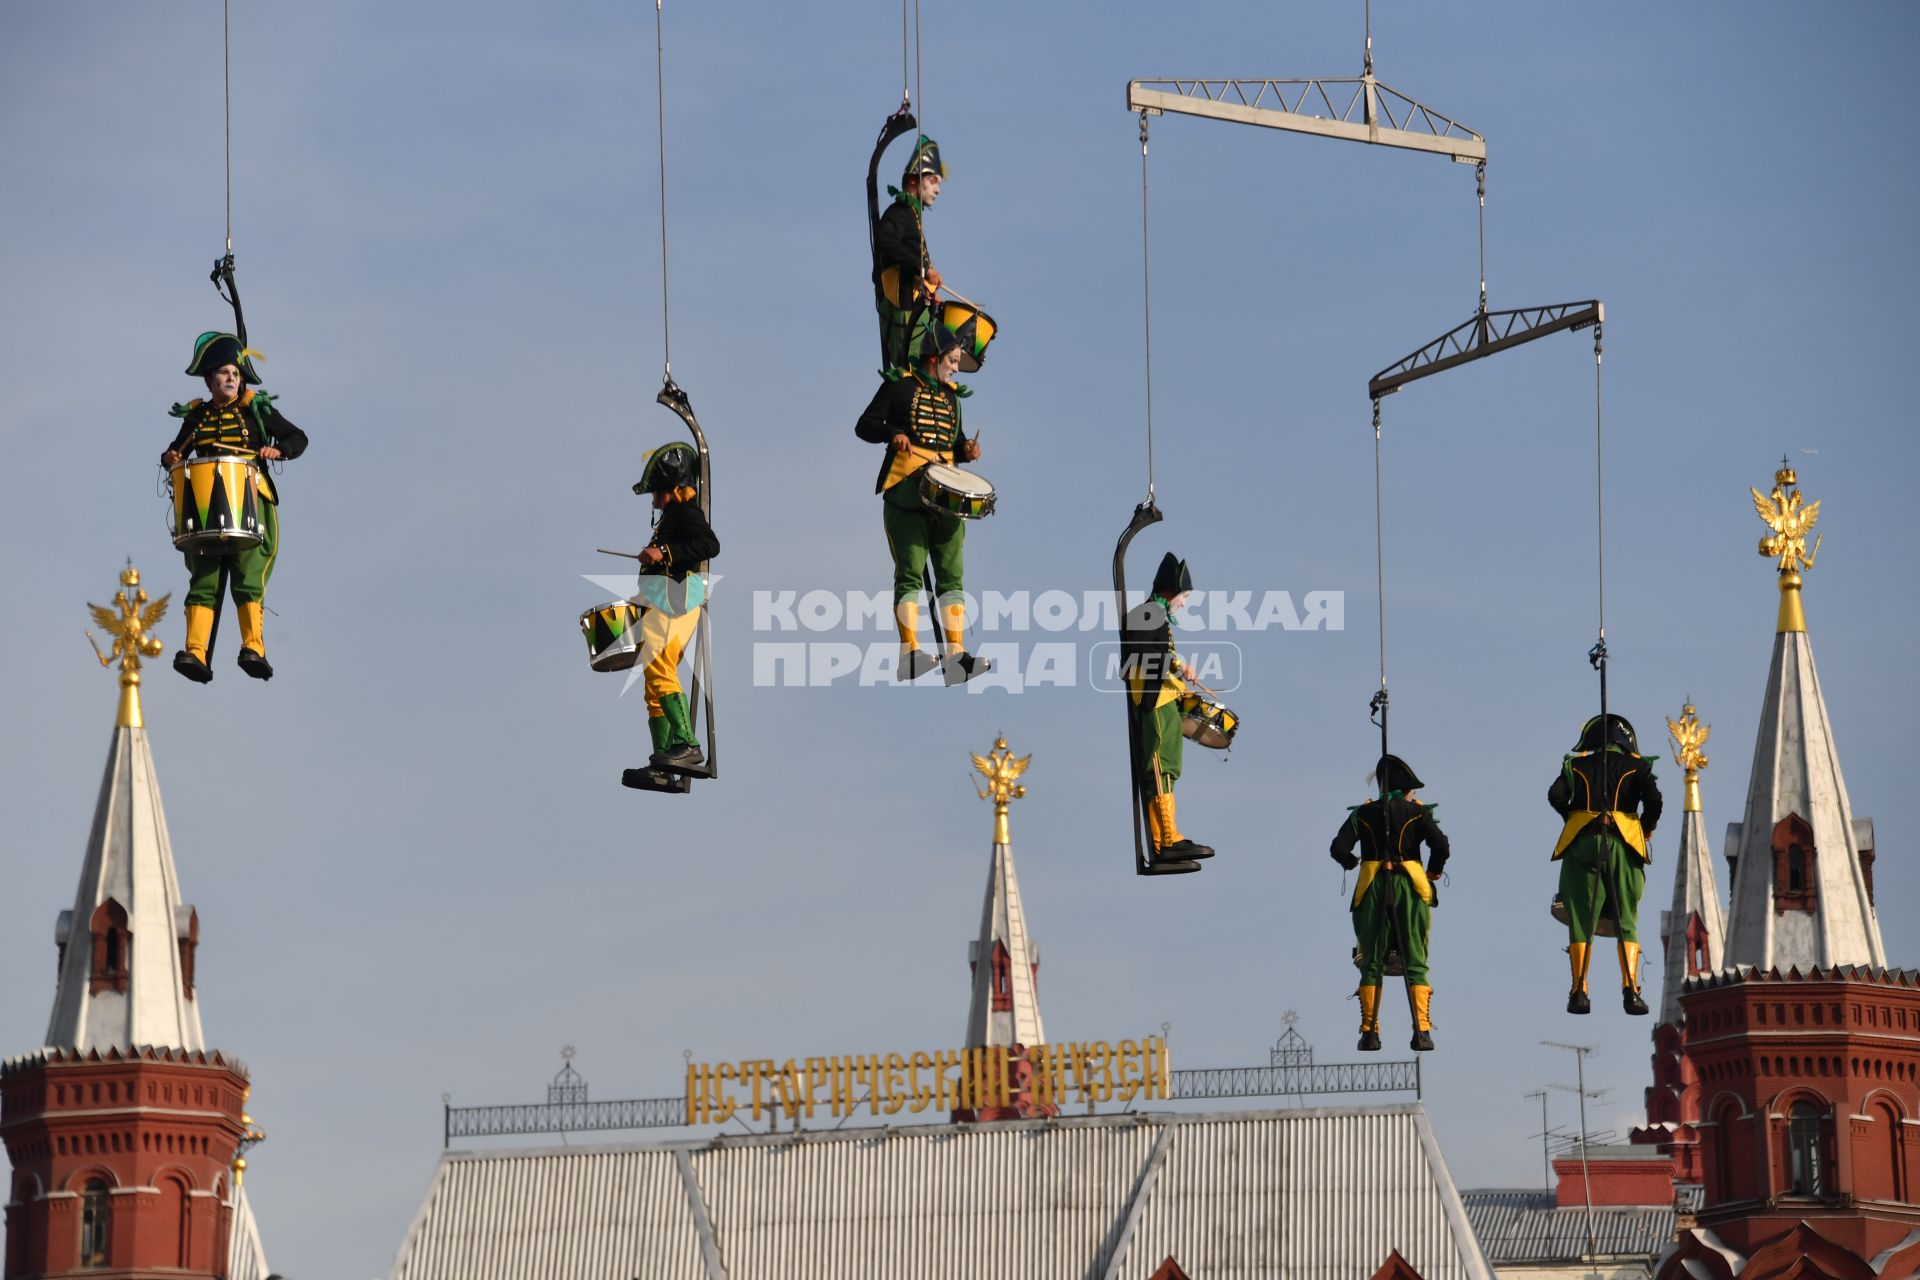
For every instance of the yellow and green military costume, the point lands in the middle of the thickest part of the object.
(241, 427)
(1609, 804)
(1154, 686)
(671, 595)
(900, 266)
(1393, 901)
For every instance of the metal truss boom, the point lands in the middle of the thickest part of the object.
(1360, 109)
(1482, 335)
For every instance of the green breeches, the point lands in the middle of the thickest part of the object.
(1392, 915)
(1600, 875)
(902, 333)
(248, 570)
(1161, 740)
(914, 535)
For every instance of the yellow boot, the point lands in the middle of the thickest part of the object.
(1577, 955)
(1176, 845)
(1369, 1019)
(253, 650)
(1153, 827)
(914, 661)
(1421, 998)
(191, 661)
(1630, 978)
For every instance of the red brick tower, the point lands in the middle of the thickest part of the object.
(123, 1129)
(1788, 1088)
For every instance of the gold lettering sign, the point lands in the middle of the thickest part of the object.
(892, 1084)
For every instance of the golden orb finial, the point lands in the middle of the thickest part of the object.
(1001, 770)
(130, 620)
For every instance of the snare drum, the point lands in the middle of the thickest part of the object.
(613, 635)
(975, 329)
(948, 488)
(1208, 723)
(216, 504)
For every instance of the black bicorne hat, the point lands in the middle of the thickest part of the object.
(1608, 731)
(925, 159)
(1171, 578)
(213, 349)
(1395, 774)
(938, 340)
(669, 467)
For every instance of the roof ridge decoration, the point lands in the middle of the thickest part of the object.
(1799, 895)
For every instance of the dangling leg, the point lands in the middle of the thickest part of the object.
(907, 538)
(203, 598)
(663, 639)
(251, 570)
(1414, 922)
(1580, 890)
(1626, 875)
(948, 549)
(1161, 739)
(1370, 933)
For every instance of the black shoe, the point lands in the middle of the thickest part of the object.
(255, 665)
(1369, 1042)
(191, 667)
(686, 756)
(652, 780)
(1630, 1001)
(1187, 849)
(962, 667)
(1421, 1042)
(1577, 1002)
(914, 664)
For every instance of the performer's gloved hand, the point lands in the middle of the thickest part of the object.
(1434, 889)
(970, 451)
(1347, 860)
(900, 443)
(933, 280)
(171, 458)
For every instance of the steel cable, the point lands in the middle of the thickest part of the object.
(660, 92)
(1146, 293)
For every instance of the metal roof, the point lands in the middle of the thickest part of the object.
(1517, 1226)
(1308, 1194)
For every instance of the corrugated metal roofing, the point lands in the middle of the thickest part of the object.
(1528, 1226)
(1312, 1195)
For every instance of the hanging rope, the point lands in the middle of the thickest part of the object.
(660, 90)
(1377, 709)
(1599, 493)
(919, 85)
(906, 79)
(226, 46)
(1146, 294)
(1480, 183)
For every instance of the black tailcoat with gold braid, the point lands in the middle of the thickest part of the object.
(242, 426)
(901, 264)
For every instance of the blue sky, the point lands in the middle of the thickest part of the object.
(414, 866)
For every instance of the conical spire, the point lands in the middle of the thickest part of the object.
(1005, 1009)
(1800, 893)
(1693, 931)
(127, 946)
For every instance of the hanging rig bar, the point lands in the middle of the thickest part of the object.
(1485, 333)
(1354, 110)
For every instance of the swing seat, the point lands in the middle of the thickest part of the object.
(1167, 867)
(647, 779)
(1604, 927)
(684, 771)
(1396, 966)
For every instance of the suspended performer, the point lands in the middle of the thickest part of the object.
(234, 421)
(1610, 803)
(1393, 902)
(917, 416)
(904, 277)
(1156, 678)
(672, 591)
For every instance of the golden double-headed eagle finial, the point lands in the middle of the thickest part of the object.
(1791, 518)
(130, 620)
(1689, 735)
(1002, 770)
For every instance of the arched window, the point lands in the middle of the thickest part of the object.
(1002, 979)
(1696, 945)
(96, 1223)
(1806, 1171)
(112, 948)
(1795, 885)
(1726, 1186)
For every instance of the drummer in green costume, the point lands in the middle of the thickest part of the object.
(905, 280)
(917, 416)
(234, 420)
(1610, 803)
(1156, 679)
(1394, 899)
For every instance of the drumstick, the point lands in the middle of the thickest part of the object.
(630, 555)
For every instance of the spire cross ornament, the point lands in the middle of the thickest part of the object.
(1688, 736)
(130, 620)
(1001, 769)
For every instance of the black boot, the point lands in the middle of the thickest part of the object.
(1421, 1042)
(913, 664)
(681, 757)
(1630, 1001)
(1577, 1002)
(254, 664)
(1187, 850)
(1369, 1042)
(191, 667)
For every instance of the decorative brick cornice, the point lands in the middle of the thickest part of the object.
(62, 1058)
